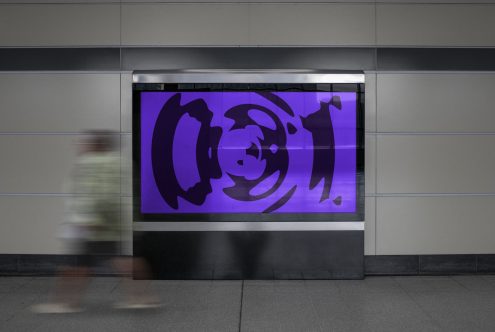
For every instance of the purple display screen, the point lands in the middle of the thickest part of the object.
(248, 152)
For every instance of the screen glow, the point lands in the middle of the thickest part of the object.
(248, 152)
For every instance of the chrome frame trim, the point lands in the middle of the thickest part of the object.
(246, 76)
(247, 226)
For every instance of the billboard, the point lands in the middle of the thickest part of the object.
(241, 154)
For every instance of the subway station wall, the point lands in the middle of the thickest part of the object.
(65, 66)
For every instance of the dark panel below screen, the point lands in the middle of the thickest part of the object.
(253, 255)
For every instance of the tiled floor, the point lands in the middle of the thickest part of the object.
(459, 303)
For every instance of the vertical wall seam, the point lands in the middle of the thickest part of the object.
(120, 130)
(249, 38)
(120, 31)
(121, 166)
(376, 29)
(376, 159)
(120, 38)
(240, 306)
(376, 125)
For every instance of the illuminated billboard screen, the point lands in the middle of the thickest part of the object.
(248, 154)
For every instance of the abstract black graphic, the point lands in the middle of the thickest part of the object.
(248, 152)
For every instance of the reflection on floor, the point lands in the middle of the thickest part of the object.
(457, 303)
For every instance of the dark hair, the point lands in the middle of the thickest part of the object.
(102, 140)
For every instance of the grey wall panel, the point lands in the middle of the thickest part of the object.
(184, 24)
(242, 24)
(36, 163)
(245, 1)
(370, 103)
(427, 102)
(57, 1)
(59, 25)
(289, 1)
(312, 24)
(68, 102)
(435, 25)
(31, 224)
(438, 1)
(126, 139)
(370, 164)
(126, 102)
(126, 224)
(435, 164)
(369, 226)
(435, 225)
(344, 58)
(126, 165)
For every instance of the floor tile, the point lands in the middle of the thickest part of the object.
(424, 303)
(429, 284)
(475, 283)
(470, 311)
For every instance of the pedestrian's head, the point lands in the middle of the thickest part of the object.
(98, 141)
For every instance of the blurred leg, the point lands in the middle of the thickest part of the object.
(71, 285)
(137, 290)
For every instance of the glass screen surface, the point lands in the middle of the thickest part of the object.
(248, 152)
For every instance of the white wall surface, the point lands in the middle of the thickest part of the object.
(30, 224)
(312, 24)
(77, 101)
(246, 1)
(36, 163)
(435, 24)
(59, 25)
(436, 102)
(185, 24)
(434, 163)
(43, 116)
(435, 225)
(248, 23)
(429, 135)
